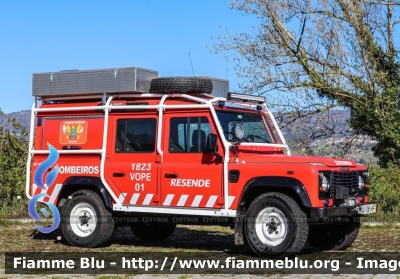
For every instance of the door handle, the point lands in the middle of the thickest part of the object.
(73, 147)
(118, 174)
(171, 175)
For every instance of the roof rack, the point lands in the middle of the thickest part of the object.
(98, 84)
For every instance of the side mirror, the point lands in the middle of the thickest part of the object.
(211, 144)
(212, 147)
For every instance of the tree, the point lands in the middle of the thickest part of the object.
(13, 154)
(318, 55)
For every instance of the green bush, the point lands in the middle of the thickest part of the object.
(13, 155)
(385, 191)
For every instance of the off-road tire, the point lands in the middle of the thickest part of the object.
(334, 236)
(277, 211)
(181, 85)
(86, 203)
(152, 231)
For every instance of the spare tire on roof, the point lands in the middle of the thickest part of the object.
(181, 85)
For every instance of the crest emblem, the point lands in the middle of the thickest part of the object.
(73, 132)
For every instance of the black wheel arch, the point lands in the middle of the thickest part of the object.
(281, 184)
(76, 183)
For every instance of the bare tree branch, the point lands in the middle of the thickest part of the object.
(312, 57)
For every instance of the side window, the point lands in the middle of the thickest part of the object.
(188, 134)
(136, 135)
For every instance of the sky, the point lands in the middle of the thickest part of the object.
(51, 36)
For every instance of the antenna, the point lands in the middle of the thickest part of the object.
(226, 77)
(190, 57)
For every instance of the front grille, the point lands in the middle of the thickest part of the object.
(344, 184)
(345, 179)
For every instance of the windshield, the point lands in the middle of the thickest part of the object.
(254, 124)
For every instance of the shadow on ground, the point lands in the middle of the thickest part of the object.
(188, 239)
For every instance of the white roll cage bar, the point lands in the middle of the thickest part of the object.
(204, 103)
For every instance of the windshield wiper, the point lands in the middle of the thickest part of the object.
(250, 138)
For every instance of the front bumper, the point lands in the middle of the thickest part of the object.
(327, 212)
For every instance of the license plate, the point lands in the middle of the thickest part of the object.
(366, 209)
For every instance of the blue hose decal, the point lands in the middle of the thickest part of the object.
(43, 167)
(38, 180)
(35, 215)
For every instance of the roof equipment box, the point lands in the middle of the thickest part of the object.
(74, 82)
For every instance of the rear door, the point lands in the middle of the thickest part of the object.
(131, 162)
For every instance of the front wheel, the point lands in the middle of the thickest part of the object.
(275, 226)
(334, 236)
(85, 220)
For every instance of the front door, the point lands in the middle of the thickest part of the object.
(190, 177)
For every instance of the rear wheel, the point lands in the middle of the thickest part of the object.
(85, 222)
(152, 231)
(336, 236)
(275, 226)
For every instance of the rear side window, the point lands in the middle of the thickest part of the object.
(188, 134)
(136, 135)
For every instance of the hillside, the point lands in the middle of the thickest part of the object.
(23, 117)
(336, 119)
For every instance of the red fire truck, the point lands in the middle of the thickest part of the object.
(151, 153)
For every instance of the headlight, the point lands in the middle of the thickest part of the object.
(363, 182)
(360, 182)
(324, 182)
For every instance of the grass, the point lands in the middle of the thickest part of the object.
(16, 208)
(23, 237)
